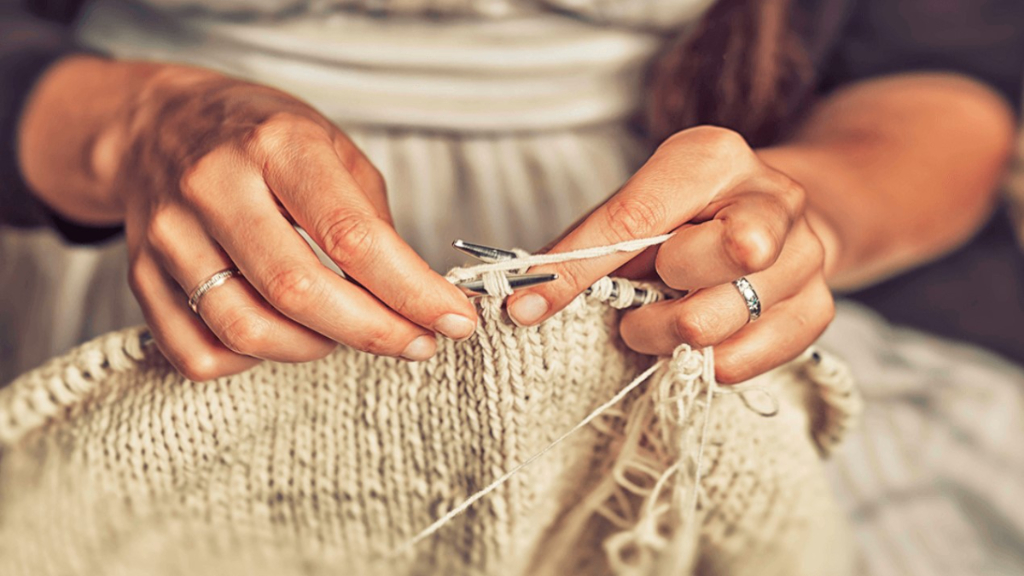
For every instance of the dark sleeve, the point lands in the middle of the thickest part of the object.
(983, 39)
(33, 36)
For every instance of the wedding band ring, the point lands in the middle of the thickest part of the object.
(209, 284)
(750, 297)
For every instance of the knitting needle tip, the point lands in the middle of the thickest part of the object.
(485, 253)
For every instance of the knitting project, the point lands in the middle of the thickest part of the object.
(113, 463)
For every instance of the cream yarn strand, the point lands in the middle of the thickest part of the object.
(523, 262)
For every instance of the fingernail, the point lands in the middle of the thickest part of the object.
(455, 327)
(527, 310)
(420, 349)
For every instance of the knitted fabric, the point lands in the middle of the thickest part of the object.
(114, 464)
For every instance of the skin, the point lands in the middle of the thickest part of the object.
(882, 176)
(207, 172)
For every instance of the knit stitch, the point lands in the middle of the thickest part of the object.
(114, 464)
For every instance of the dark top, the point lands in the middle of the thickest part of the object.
(974, 294)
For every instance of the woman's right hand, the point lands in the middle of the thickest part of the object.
(211, 173)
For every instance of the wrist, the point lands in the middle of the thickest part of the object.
(70, 140)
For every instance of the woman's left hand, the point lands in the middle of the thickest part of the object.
(733, 217)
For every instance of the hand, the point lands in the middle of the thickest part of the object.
(214, 173)
(733, 217)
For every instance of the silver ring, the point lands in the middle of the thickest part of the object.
(209, 284)
(750, 297)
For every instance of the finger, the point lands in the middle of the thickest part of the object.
(326, 201)
(651, 203)
(709, 316)
(640, 267)
(240, 318)
(778, 337)
(285, 271)
(183, 339)
(365, 174)
(746, 235)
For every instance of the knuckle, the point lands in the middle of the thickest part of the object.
(629, 217)
(793, 196)
(199, 366)
(190, 184)
(572, 277)
(247, 333)
(379, 339)
(692, 328)
(267, 137)
(715, 140)
(292, 289)
(162, 230)
(724, 141)
(676, 140)
(281, 131)
(752, 247)
(348, 237)
(197, 181)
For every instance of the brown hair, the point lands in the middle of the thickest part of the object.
(743, 67)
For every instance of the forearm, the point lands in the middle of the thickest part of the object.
(898, 170)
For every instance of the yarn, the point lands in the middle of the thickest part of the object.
(524, 262)
(115, 464)
(429, 530)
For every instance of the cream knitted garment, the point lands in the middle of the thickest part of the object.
(114, 464)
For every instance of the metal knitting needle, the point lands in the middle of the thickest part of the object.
(474, 288)
(491, 254)
(484, 253)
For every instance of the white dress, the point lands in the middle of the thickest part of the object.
(501, 121)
